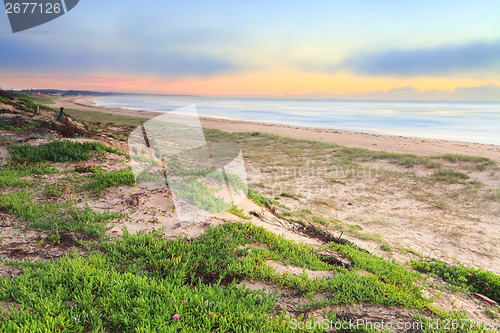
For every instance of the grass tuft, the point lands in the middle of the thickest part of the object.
(449, 176)
(289, 195)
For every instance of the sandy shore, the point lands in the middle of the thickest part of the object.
(390, 143)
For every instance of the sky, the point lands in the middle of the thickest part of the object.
(385, 49)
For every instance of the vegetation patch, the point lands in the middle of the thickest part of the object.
(143, 281)
(200, 194)
(58, 151)
(100, 180)
(220, 176)
(449, 176)
(454, 158)
(218, 256)
(55, 190)
(99, 294)
(5, 124)
(56, 216)
(5, 100)
(473, 279)
(289, 195)
(239, 212)
(96, 117)
(260, 199)
(410, 160)
(12, 174)
(27, 102)
(22, 99)
(88, 168)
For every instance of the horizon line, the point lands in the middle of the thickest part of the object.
(284, 96)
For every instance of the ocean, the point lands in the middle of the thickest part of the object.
(461, 121)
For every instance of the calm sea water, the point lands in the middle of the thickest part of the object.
(462, 121)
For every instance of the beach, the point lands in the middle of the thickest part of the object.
(252, 167)
(380, 142)
(418, 192)
(359, 214)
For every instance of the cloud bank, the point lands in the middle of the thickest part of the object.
(477, 56)
(490, 92)
(20, 55)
